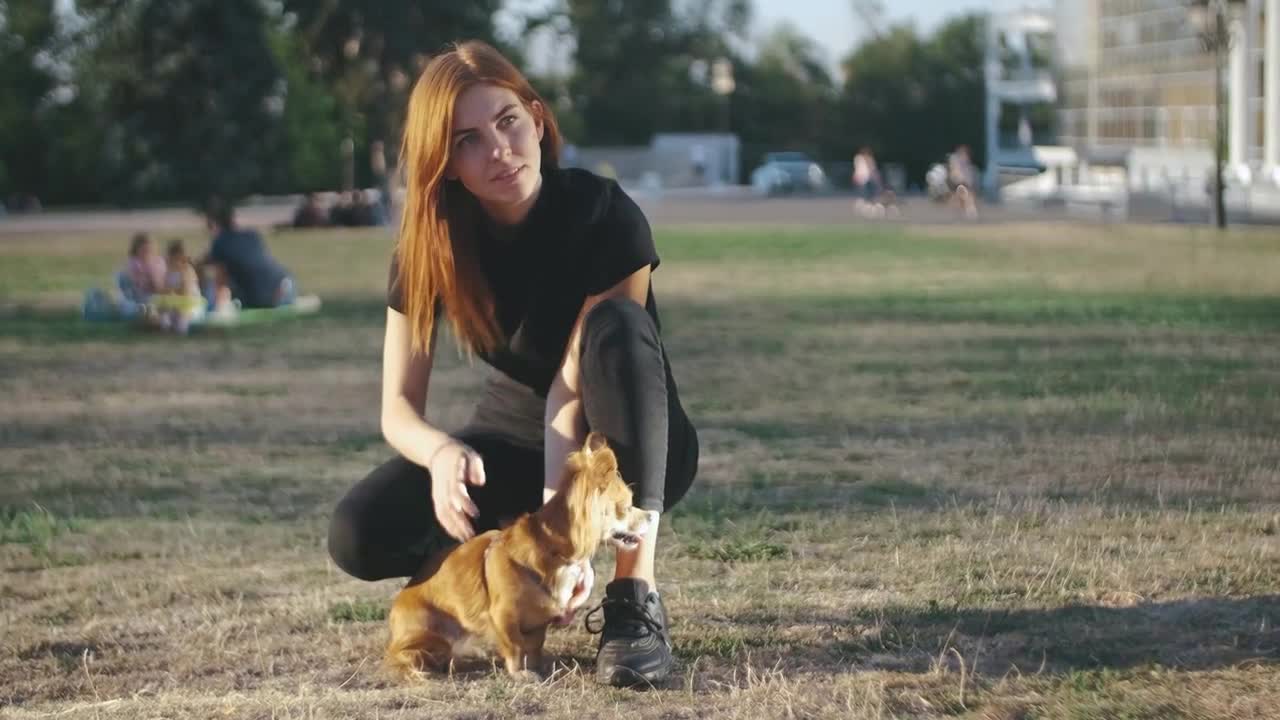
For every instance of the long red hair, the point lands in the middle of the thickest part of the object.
(436, 251)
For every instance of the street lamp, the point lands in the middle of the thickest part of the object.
(1212, 20)
(722, 84)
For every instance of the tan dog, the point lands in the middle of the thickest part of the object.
(506, 586)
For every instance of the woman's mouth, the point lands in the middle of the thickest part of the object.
(508, 176)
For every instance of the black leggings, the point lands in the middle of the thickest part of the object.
(386, 525)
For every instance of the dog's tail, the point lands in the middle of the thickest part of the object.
(414, 649)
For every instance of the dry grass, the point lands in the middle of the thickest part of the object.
(1021, 472)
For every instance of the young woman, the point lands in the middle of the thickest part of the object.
(543, 273)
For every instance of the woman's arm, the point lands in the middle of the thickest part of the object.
(566, 426)
(405, 375)
(452, 465)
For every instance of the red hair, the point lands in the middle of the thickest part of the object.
(436, 251)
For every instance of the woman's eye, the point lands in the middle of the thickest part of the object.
(506, 120)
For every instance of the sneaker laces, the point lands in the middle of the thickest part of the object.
(633, 616)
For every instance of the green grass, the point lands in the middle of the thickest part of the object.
(359, 611)
(35, 527)
(997, 472)
(740, 550)
(804, 246)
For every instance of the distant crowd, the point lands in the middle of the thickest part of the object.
(353, 208)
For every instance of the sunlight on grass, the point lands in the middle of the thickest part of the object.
(999, 472)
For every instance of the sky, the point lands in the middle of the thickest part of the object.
(832, 24)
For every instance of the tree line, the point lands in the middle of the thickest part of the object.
(130, 102)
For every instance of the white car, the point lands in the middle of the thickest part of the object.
(788, 172)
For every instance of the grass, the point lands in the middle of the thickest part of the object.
(1006, 472)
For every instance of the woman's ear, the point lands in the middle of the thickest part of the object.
(538, 112)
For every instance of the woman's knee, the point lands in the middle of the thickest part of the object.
(349, 542)
(618, 322)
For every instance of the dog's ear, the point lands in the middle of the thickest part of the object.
(595, 443)
(605, 462)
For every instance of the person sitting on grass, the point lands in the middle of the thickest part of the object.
(239, 263)
(141, 276)
(310, 214)
(181, 302)
(143, 273)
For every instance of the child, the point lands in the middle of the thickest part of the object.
(143, 273)
(181, 301)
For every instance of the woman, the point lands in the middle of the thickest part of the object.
(543, 273)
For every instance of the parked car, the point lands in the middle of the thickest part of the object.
(788, 172)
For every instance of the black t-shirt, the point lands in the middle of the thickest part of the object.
(582, 237)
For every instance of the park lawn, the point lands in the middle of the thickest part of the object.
(1011, 471)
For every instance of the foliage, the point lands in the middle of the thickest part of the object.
(28, 28)
(368, 53)
(143, 101)
(901, 89)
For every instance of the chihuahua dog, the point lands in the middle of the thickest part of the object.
(507, 586)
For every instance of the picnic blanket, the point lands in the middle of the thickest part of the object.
(125, 307)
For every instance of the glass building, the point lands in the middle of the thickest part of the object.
(1134, 74)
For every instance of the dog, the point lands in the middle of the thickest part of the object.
(507, 586)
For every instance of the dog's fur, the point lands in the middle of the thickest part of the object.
(507, 586)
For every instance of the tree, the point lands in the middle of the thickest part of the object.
(912, 100)
(369, 53)
(27, 29)
(956, 84)
(311, 123)
(643, 67)
(885, 100)
(627, 69)
(194, 95)
(785, 101)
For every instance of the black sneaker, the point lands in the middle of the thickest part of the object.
(635, 646)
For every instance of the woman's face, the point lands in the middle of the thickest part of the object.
(494, 151)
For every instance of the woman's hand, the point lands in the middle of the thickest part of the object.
(453, 467)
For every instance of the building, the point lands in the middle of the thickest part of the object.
(1020, 84)
(1133, 74)
(670, 160)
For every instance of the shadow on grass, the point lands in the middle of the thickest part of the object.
(1012, 368)
(253, 496)
(1015, 307)
(44, 326)
(1192, 634)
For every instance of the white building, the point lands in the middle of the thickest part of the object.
(1134, 75)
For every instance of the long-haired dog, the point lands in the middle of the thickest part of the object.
(507, 586)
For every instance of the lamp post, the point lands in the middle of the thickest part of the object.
(722, 84)
(1212, 19)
